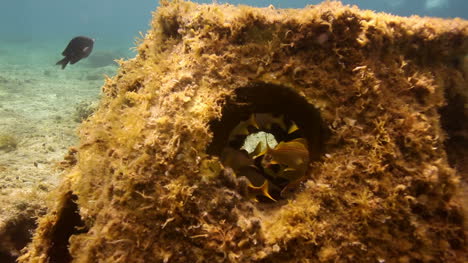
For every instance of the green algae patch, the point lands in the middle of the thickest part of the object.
(8, 142)
(375, 97)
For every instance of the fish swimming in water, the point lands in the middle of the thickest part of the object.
(78, 48)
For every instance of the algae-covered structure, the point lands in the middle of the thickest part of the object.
(240, 134)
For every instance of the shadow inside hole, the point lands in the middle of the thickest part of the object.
(7, 258)
(271, 99)
(274, 99)
(69, 223)
(16, 237)
(455, 123)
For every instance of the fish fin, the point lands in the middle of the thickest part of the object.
(253, 122)
(293, 128)
(63, 62)
(273, 162)
(263, 189)
(301, 141)
(257, 151)
(259, 154)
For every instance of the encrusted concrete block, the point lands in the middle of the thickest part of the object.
(364, 115)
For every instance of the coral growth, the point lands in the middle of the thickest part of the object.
(376, 97)
(83, 110)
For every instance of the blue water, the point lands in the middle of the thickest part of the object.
(118, 22)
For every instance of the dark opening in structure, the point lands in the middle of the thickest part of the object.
(455, 123)
(16, 236)
(69, 223)
(293, 132)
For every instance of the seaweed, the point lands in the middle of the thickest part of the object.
(376, 99)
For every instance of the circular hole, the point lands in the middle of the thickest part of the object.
(268, 134)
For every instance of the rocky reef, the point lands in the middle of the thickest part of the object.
(373, 104)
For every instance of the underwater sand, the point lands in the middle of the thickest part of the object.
(38, 114)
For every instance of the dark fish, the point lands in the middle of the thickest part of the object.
(78, 48)
(236, 159)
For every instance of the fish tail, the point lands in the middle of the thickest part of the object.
(62, 62)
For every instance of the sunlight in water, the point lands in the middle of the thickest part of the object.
(253, 139)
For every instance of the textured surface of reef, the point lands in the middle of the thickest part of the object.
(380, 105)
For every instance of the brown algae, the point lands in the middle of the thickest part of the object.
(374, 95)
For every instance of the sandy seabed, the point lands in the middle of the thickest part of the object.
(39, 114)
